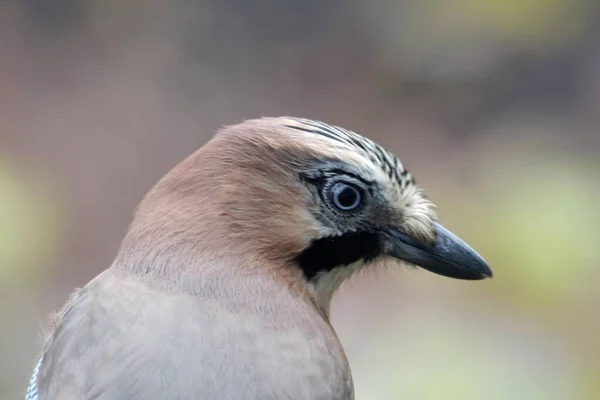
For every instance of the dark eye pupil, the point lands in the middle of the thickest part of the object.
(345, 197)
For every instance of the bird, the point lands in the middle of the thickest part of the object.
(222, 285)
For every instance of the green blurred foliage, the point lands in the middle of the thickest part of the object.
(530, 22)
(30, 228)
(448, 361)
(543, 222)
(535, 214)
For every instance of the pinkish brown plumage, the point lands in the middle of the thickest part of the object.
(221, 287)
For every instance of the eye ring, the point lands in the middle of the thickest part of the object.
(345, 196)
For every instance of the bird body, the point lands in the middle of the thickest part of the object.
(135, 340)
(221, 287)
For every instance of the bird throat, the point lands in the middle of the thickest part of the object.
(330, 252)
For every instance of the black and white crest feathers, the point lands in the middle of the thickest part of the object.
(388, 162)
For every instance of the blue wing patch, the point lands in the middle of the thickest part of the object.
(32, 389)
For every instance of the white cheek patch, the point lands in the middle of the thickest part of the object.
(323, 286)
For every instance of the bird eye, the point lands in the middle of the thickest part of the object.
(345, 197)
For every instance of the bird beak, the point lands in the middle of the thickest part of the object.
(448, 256)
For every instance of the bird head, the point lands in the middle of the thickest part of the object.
(305, 196)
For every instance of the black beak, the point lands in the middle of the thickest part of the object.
(448, 256)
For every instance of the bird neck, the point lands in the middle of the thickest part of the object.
(187, 262)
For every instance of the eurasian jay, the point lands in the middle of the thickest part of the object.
(221, 287)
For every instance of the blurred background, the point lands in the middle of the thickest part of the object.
(494, 105)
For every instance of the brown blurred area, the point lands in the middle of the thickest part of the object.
(493, 105)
